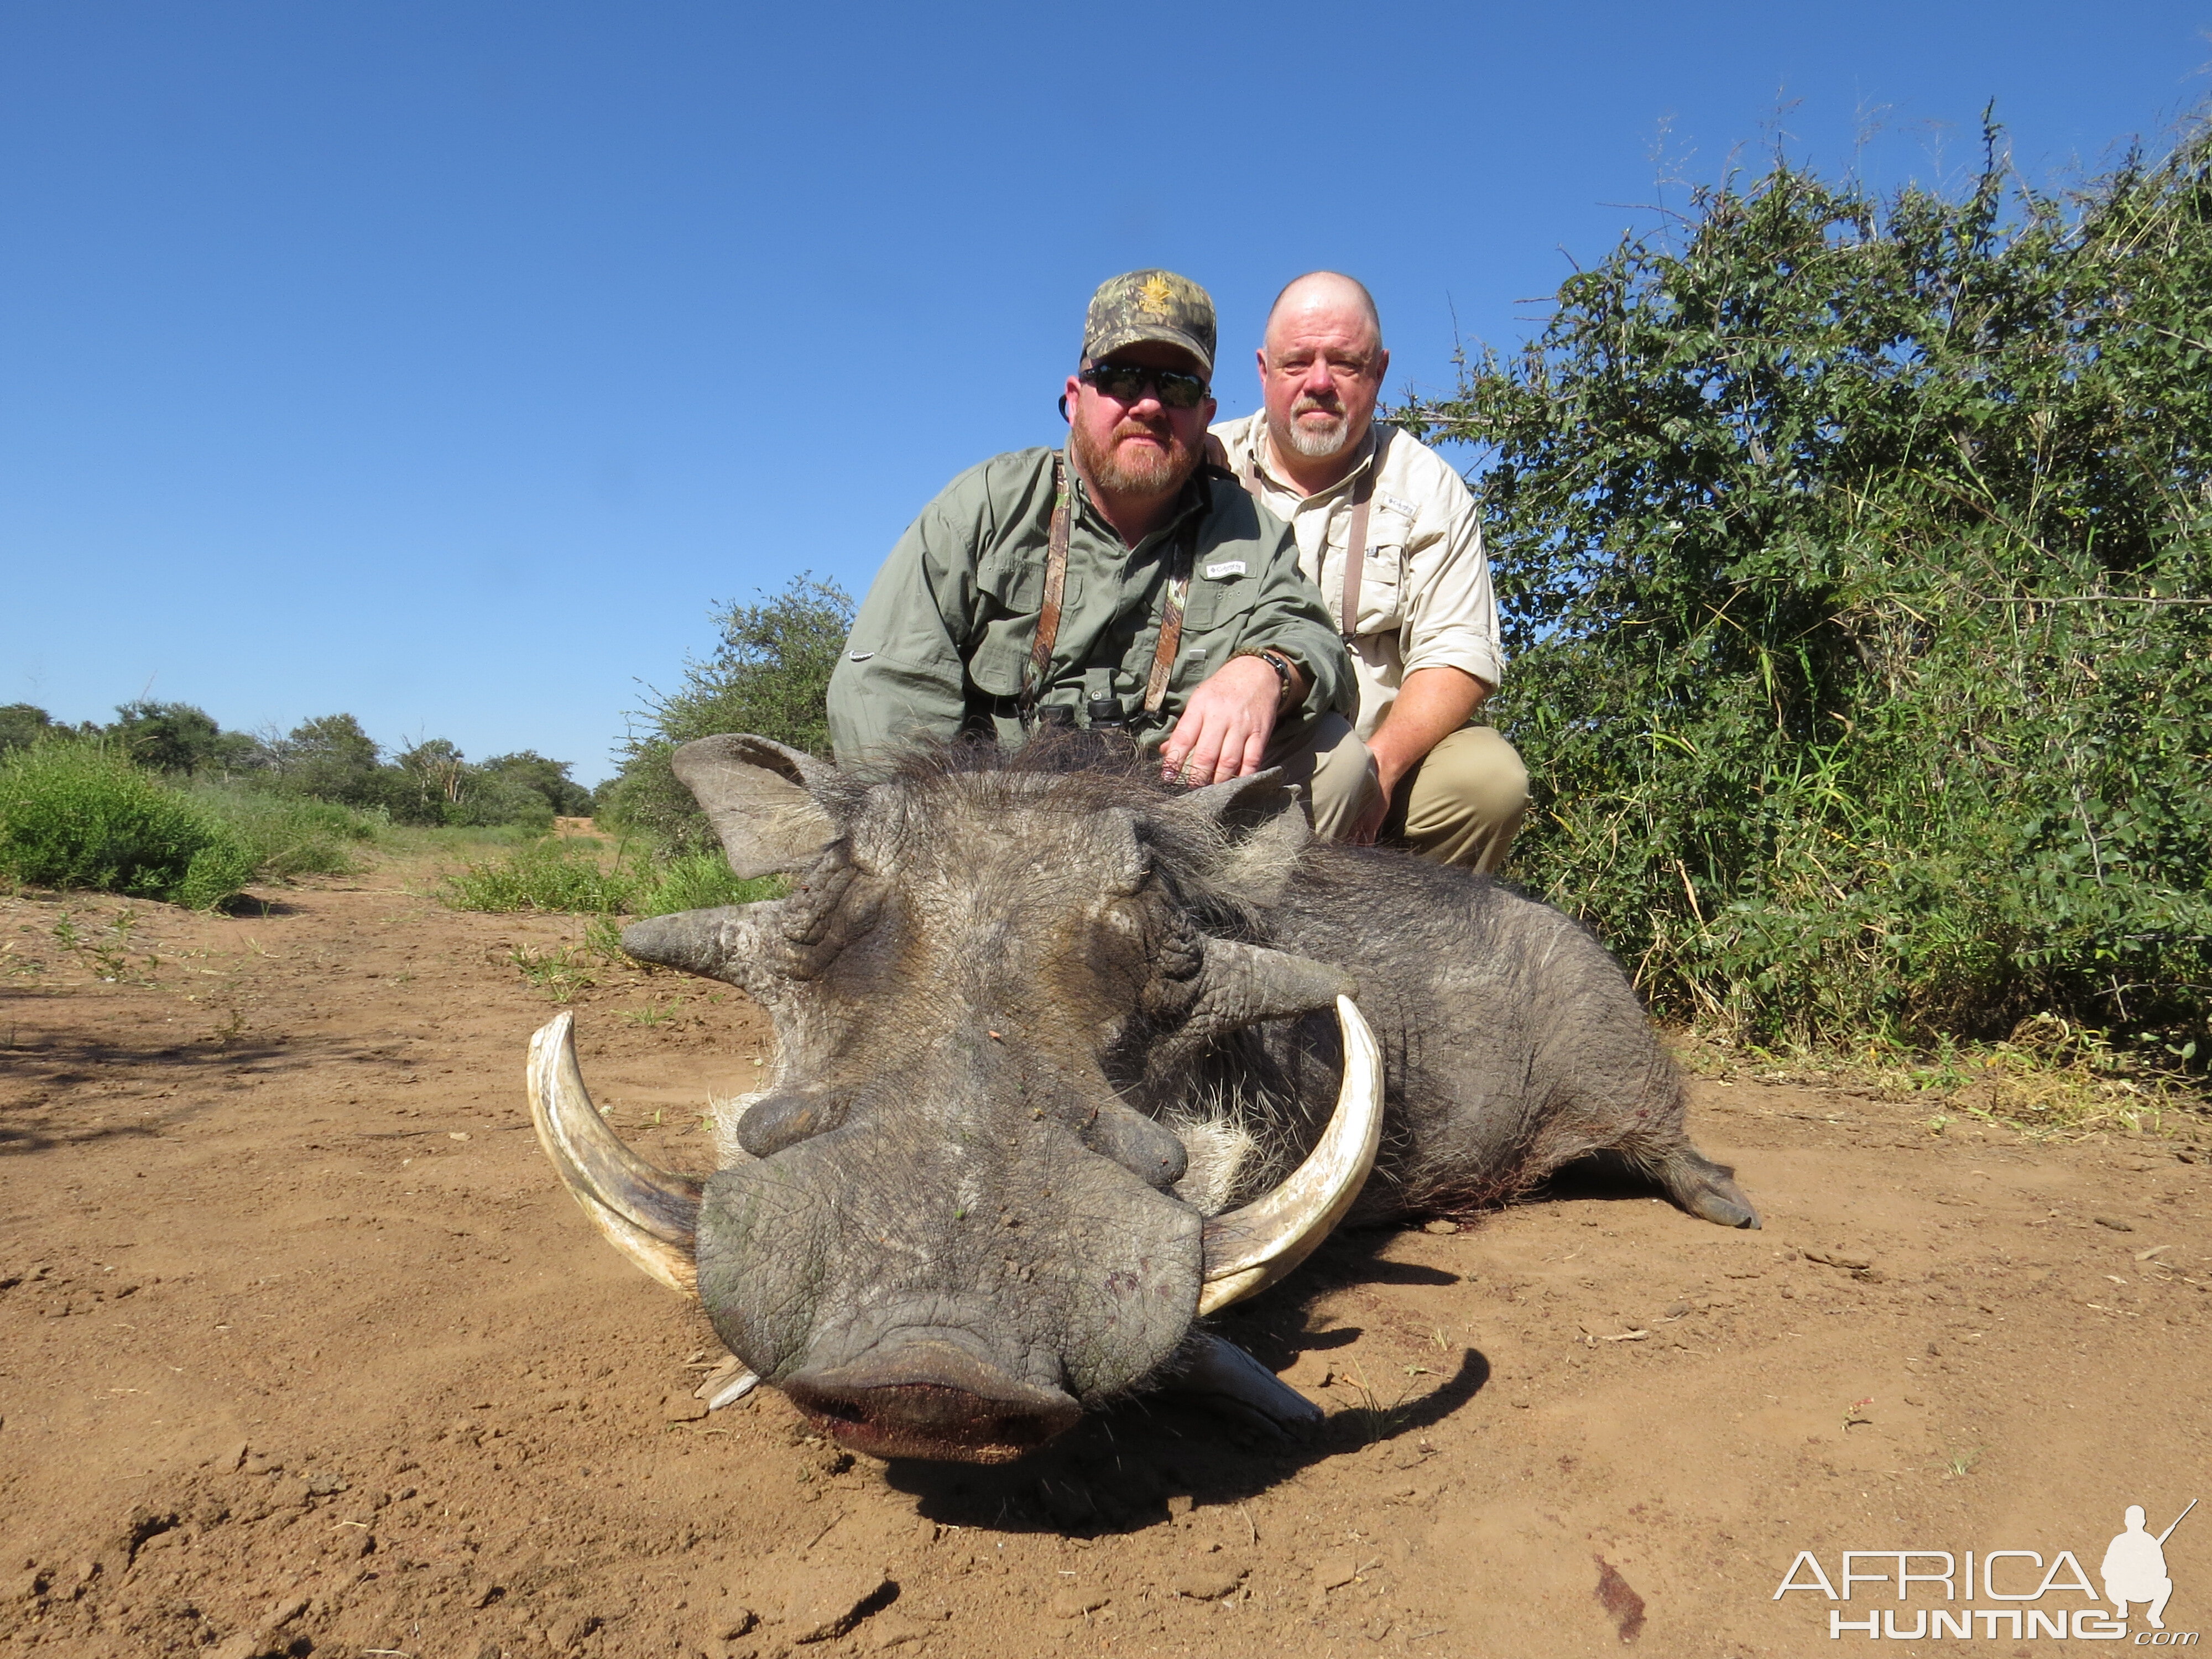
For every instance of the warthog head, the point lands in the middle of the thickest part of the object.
(951, 1225)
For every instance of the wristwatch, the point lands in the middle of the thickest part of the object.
(1280, 664)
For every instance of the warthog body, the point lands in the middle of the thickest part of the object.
(1039, 1025)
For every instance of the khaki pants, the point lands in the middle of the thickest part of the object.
(1335, 770)
(1463, 805)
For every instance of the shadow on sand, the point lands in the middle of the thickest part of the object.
(1118, 1470)
(57, 1065)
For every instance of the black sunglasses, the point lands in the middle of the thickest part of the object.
(1126, 383)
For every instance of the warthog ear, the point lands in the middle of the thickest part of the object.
(1266, 832)
(1244, 984)
(1243, 803)
(754, 792)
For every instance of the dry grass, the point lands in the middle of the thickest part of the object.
(2048, 1080)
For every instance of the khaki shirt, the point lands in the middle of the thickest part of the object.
(942, 641)
(1425, 593)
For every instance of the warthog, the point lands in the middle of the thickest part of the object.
(1069, 1061)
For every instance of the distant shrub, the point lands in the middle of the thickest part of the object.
(549, 778)
(491, 798)
(435, 784)
(331, 758)
(289, 836)
(77, 814)
(770, 676)
(176, 737)
(22, 724)
(573, 877)
(328, 759)
(700, 881)
(547, 875)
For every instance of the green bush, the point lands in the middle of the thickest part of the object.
(573, 876)
(429, 785)
(176, 737)
(288, 835)
(549, 778)
(490, 799)
(331, 758)
(1856, 557)
(570, 876)
(437, 786)
(770, 676)
(22, 724)
(77, 814)
(700, 881)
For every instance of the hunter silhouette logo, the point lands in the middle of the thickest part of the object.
(2135, 1567)
(2133, 1570)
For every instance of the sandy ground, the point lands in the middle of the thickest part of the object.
(302, 1350)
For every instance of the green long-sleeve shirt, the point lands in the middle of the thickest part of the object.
(944, 637)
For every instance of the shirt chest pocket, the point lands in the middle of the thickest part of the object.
(1382, 576)
(1009, 582)
(1009, 594)
(1219, 604)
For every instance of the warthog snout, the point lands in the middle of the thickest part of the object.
(929, 1395)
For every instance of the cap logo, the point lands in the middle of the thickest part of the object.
(1155, 296)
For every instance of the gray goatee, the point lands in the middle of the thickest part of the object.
(1315, 442)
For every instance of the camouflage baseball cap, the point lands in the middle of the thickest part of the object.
(1150, 305)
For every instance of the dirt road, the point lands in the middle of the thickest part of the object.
(301, 1350)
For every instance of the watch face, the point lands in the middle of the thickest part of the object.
(1281, 665)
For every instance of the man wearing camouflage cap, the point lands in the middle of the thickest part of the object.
(1118, 582)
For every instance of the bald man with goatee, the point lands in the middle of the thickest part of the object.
(1390, 534)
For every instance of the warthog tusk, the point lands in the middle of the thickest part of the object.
(650, 1215)
(1218, 1367)
(1248, 1249)
(727, 1384)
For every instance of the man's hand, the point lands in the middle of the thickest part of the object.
(1370, 823)
(1431, 704)
(1224, 730)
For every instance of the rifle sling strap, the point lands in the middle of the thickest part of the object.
(1055, 586)
(1178, 590)
(1355, 541)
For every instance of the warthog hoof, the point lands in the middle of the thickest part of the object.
(1709, 1190)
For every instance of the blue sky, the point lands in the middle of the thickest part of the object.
(444, 362)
